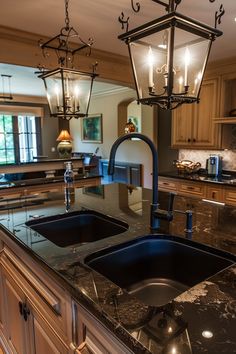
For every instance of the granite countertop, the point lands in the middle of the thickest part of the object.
(209, 306)
(227, 178)
(43, 180)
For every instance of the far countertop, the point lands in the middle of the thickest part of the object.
(207, 306)
(227, 178)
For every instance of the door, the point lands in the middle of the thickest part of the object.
(182, 125)
(15, 329)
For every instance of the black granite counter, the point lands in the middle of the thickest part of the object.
(227, 178)
(201, 320)
(40, 180)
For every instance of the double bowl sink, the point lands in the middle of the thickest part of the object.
(155, 268)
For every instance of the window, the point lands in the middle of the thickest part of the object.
(20, 138)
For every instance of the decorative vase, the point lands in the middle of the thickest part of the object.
(64, 149)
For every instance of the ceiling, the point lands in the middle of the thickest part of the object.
(99, 20)
(24, 81)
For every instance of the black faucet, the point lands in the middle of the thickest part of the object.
(156, 213)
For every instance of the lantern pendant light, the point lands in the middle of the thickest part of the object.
(169, 55)
(68, 90)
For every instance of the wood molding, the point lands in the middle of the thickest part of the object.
(22, 48)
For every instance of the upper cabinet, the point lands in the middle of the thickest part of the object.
(227, 112)
(193, 125)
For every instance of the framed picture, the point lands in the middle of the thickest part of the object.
(92, 129)
(95, 191)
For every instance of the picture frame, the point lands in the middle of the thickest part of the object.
(92, 129)
(95, 191)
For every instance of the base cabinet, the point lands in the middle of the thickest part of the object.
(38, 316)
(92, 337)
(25, 328)
(210, 191)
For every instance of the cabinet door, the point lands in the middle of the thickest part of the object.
(15, 328)
(193, 125)
(205, 131)
(43, 339)
(182, 125)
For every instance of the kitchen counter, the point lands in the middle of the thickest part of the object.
(227, 178)
(209, 306)
(11, 185)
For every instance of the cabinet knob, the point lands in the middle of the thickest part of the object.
(189, 140)
(194, 140)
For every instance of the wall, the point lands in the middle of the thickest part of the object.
(130, 151)
(166, 155)
(229, 157)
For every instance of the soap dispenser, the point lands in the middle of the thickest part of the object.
(69, 185)
(69, 174)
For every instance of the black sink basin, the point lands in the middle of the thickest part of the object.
(77, 227)
(158, 268)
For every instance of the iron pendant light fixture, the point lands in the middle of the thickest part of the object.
(68, 89)
(169, 55)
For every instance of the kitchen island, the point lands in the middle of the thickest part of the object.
(201, 320)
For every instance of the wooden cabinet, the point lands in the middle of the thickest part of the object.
(26, 329)
(36, 313)
(92, 337)
(230, 195)
(227, 98)
(167, 184)
(193, 125)
(194, 189)
(210, 191)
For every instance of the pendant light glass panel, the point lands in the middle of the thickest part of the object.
(68, 92)
(153, 59)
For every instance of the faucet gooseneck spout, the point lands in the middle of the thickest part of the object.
(154, 219)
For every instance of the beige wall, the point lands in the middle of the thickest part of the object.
(130, 151)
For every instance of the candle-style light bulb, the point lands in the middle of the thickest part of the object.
(150, 65)
(76, 96)
(186, 65)
(57, 92)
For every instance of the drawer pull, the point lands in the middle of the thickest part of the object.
(190, 188)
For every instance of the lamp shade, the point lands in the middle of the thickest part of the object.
(68, 92)
(64, 136)
(168, 58)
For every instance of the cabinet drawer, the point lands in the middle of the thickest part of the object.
(167, 184)
(215, 193)
(194, 189)
(230, 196)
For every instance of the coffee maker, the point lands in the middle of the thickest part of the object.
(214, 165)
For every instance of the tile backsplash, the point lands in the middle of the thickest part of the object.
(229, 157)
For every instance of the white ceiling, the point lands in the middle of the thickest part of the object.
(24, 81)
(99, 20)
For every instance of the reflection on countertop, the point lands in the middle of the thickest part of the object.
(201, 320)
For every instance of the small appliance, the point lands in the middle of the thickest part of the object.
(214, 165)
